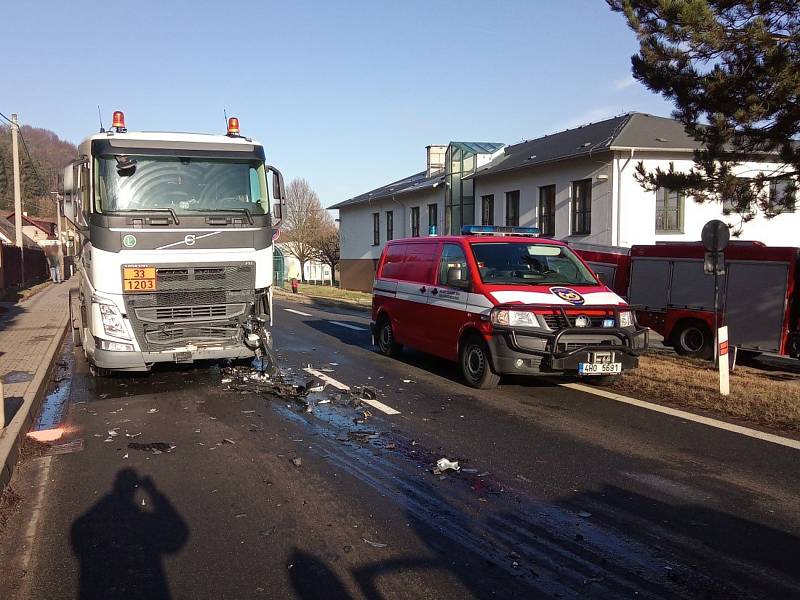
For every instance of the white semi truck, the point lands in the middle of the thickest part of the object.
(176, 246)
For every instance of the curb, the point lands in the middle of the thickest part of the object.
(303, 299)
(12, 436)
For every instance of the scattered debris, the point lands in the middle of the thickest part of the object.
(113, 432)
(297, 462)
(228, 441)
(226, 380)
(584, 515)
(368, 393)
(375, 544)
(152, 411)
(154, 447)
(408, 381)
(125, 456)
(324, 401)
(316, 389)
(444, 464)
(523, 478)
(133, 435)
(239, 515)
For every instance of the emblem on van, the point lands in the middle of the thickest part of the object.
(569, 295)
(129, 241)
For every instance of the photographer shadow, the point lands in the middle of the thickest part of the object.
(120, 543)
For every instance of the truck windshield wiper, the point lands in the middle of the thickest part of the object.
(150, 210)
(233, 210)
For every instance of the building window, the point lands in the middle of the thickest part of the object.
(547, 210)
(487, 210)
(512, 208)
(582, 207)
(376, 229)
(669, 211)
(415, 221)
(389, 225)
(782, 196)
(433, 219)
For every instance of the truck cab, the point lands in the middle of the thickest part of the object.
(176, 246)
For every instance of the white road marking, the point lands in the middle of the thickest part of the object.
(297, 312)
(682, 414)
(381, 406)
(329, 380)
(340, 324)
(344, 387)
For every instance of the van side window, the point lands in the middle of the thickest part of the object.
(393, 263)
(453, 257)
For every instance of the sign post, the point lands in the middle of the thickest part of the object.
(716, 236)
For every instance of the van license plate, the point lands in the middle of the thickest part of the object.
(139, 279)
(599, 368)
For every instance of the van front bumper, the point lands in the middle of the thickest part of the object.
(516, 351)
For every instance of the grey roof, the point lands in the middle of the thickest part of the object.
(413, 183)
(632, 130)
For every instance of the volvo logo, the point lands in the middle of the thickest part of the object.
(190, 239)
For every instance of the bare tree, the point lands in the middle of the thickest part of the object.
(303, 223)
(327, 245)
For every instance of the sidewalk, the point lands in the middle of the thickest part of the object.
(30, 335)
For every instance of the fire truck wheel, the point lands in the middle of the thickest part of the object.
(385, 339)
(694, 339)
(475, 364)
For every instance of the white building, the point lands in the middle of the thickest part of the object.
(576, 185)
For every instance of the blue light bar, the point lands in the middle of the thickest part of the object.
(499, 230)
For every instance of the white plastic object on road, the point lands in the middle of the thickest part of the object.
(444, 464)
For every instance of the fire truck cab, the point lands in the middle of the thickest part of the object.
(501, 300)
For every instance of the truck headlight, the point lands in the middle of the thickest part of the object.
(514, 318)
(112, 321)
(626, 318)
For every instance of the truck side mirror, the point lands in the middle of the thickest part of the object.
(277, 211)
(278, 189)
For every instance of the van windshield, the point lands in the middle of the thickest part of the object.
(183, 184)
(518, 263)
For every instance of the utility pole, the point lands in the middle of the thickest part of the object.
(17, 193)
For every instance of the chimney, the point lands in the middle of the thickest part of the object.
(436, 154)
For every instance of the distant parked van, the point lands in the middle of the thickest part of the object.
(501, 300)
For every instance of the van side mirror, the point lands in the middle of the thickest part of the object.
(456, 279)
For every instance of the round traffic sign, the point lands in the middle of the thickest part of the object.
(715, 236)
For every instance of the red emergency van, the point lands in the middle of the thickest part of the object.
(501, 300)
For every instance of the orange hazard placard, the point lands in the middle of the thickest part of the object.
(139, 279)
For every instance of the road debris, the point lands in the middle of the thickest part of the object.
(444, 464)
(297, 462)
(152, 411)
(584, 515)
(113, 432)
(133, 435)
(154, 447)
(375, 544)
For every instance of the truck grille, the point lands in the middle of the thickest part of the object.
(200, 304)
(176, 314)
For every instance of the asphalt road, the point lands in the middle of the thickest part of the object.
(561, 493)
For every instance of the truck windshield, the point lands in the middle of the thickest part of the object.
(518, 263)
(185, 185)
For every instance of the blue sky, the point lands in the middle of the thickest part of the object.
(346, 94)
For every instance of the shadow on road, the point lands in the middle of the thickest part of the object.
(120, 543)
(312, 579)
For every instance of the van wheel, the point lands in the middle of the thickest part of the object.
(693, 339)
(476, 364)
(385, 338)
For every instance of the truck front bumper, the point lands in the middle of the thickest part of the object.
(143, 361)
(532, 352)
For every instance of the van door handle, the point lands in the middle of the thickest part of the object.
(434, 291)
(423, 289)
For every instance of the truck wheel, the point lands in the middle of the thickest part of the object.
(693, 339)
(476, 364)
(385, 339)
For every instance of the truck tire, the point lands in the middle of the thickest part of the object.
(384, 336)
(476, 363)
(693, 338)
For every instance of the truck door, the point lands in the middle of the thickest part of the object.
(447, 303)
(756, 304)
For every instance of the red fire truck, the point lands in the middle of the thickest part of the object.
(759, 295)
